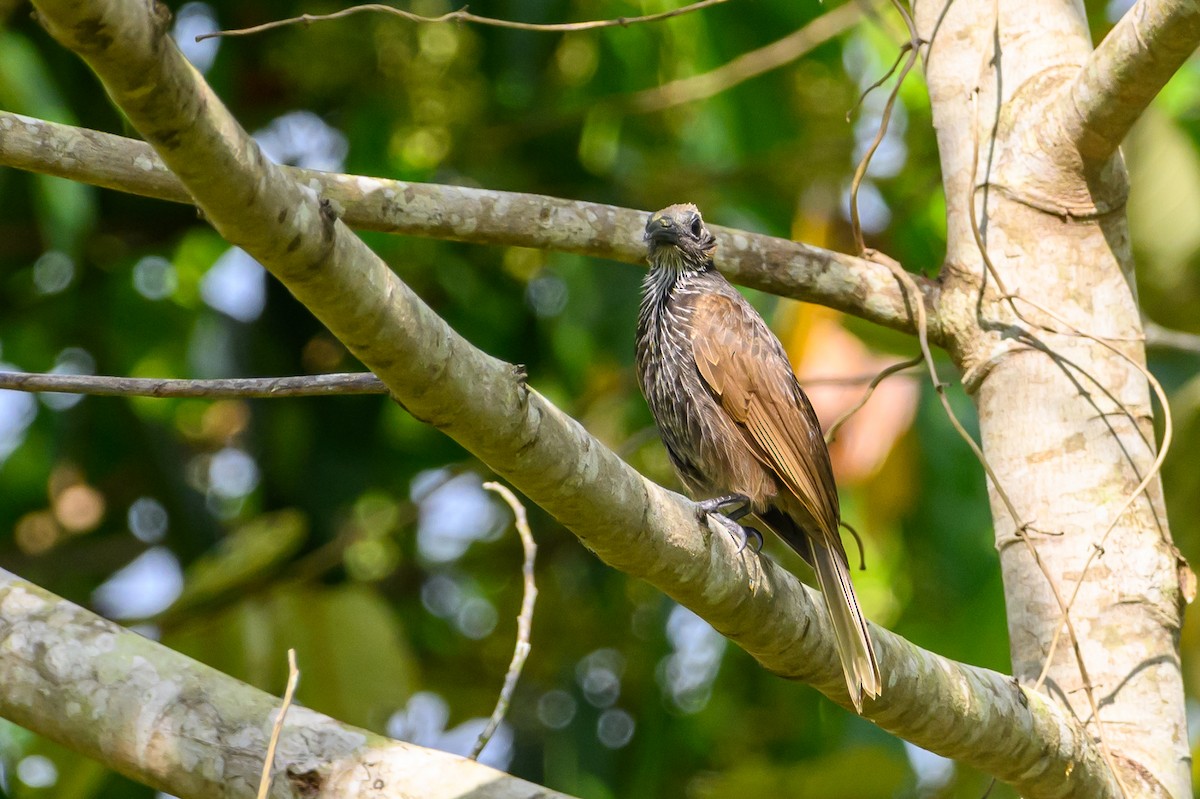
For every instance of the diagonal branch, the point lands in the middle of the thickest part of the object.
(790, 269)
(180, 726)
(1124, 73)
(971, 714)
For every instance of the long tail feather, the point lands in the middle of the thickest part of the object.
(833, 575)
(849, 626)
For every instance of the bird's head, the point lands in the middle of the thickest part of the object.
(676, 238)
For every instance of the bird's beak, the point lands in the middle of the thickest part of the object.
(661, 228)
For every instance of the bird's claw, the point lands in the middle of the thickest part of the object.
(743, 535)
(748, 533)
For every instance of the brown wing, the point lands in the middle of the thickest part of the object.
(745, 366)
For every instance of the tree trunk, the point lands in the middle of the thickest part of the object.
(1065, 418)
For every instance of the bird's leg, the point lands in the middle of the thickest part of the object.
(716, 508)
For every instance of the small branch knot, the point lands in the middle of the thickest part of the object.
(521, 374)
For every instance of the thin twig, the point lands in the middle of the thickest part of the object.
(871, 378)
(524, 619)
(862, 554)
(911, 289)
(1155, 386)
(263, 387)
(264, 782)
(904, 49)
(860, 172)
(749, 65)
(463, 15)
(832, 432)
(1022, 527)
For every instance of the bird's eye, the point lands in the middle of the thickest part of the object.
(696, 226)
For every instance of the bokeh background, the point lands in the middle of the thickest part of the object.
(233, 530)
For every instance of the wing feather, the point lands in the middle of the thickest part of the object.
(744, 365)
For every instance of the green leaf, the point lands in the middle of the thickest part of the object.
(242, 558)
(858, 773)
(348, 645)
(66, 211)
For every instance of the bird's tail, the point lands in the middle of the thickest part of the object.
(849, 626)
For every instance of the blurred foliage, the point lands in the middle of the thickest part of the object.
(344, 528)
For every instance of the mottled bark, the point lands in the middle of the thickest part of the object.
(483, 216)
(182, 727)
(1066, 423)
(1135, 60)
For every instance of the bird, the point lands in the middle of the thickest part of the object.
(738, 429)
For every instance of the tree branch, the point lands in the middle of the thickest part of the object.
(524, 618)
(752, 64)
(968, 713)
(1125, 72)
(327, 385)
(268, 768)
(790, 269)
(463, 15)
(1164, 338)
(249, 387)
(184, 728)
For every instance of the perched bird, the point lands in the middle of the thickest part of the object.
(738, 429)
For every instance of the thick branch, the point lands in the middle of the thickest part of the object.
(968, 713)
(1135, 60)
(182, 727)
(480, 216)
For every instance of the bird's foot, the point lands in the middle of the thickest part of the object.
(743, 535)
(727, 510)
(731, 506)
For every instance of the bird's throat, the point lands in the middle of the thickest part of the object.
(669, 266)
